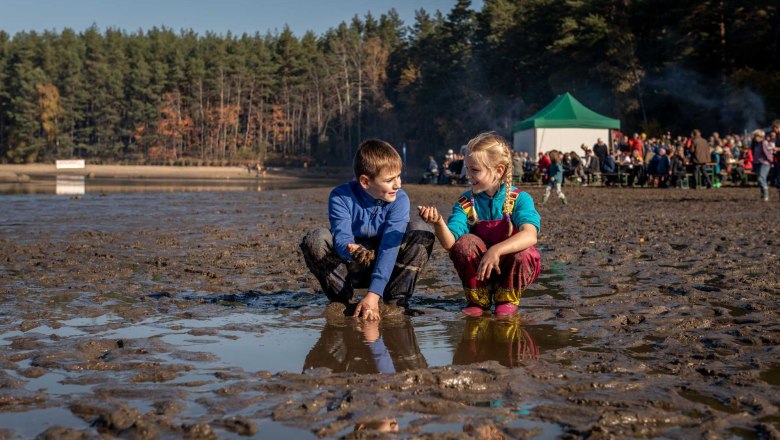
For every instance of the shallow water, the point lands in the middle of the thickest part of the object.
(68, 185)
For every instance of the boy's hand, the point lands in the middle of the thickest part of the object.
(429, 214)
(362, 256)
(489, 263)
(368, 307)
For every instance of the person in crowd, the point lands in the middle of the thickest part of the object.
(491, 233)
(701, 156)
(744, 164)
(679, 168)
(530, 169)
(566, 165)
(371, 241)
(609, 167)
(543, 164)
(636, 144)
(517, 168)
(716, 157)
(555, 177)
(577, 167)
(660, 167)
(636, 169)
(431, 174)
(601, 150)
(622, 144)
(763, 153)
(592, 167)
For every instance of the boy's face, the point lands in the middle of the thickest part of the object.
(384, 186)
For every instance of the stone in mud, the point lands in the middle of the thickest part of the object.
(198, 431)
(240, 425)
(33, 372)
(63, 433)
(118, 420)
(484, 432)
(168, 407)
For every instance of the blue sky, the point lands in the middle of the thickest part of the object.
(238, 16)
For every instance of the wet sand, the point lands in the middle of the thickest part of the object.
(154, 315)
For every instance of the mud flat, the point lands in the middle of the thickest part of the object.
(193, 315)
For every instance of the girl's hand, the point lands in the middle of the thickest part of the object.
(429, 214)
(489, 263)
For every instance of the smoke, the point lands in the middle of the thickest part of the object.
(737, 108)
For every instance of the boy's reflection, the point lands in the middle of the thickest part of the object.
(489, 339)
(360, 346)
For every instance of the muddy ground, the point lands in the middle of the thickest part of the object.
(143, 316)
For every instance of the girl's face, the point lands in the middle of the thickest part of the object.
(482, 178)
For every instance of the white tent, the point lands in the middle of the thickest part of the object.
(563, 125)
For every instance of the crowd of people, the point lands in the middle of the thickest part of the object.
(664, 162)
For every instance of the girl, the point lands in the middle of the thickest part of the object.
(491, 232)
(555, 180)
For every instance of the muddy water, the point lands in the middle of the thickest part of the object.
(74, 185)
(192, 314)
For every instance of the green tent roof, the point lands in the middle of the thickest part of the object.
(566, 112)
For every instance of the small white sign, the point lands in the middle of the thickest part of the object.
(70, 164)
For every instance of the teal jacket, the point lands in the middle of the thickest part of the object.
(490, 208)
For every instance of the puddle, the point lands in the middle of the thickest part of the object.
(697, 397)
(33, 422)
(733, 310)
(771, 375)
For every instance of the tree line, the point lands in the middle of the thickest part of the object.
(162, 96)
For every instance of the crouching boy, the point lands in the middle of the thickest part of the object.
(371, 242)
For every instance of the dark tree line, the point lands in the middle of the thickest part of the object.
(163, 96)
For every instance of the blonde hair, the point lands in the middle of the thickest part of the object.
(758, 132)
(491, 150)
(373, 156)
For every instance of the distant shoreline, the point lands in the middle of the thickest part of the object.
(156, 172)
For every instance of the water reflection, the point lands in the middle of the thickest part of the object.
(70, 185)
(365, 347)
(490, 339)
(79, 185)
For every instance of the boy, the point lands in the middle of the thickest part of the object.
(371, 242)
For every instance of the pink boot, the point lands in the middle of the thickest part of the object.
(472, 310)
(505, 309)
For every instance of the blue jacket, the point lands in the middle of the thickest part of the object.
(608, 166)
(556, 171)
(354, 213)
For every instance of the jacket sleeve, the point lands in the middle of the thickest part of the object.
(340, 216)
(395, 227)
(525, 212)
(457, 222)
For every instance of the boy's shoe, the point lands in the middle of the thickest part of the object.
(472, 310)
(563, 199)
(546, 197)
(506, 309)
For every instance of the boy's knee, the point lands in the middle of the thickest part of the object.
(316, 242)
(419, 233)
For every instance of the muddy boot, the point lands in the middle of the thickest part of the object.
(545, 198)
(564, 201)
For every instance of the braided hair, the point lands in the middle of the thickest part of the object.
(490, 150)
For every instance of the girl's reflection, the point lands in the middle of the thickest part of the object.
(365, 347)
(489, 339)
